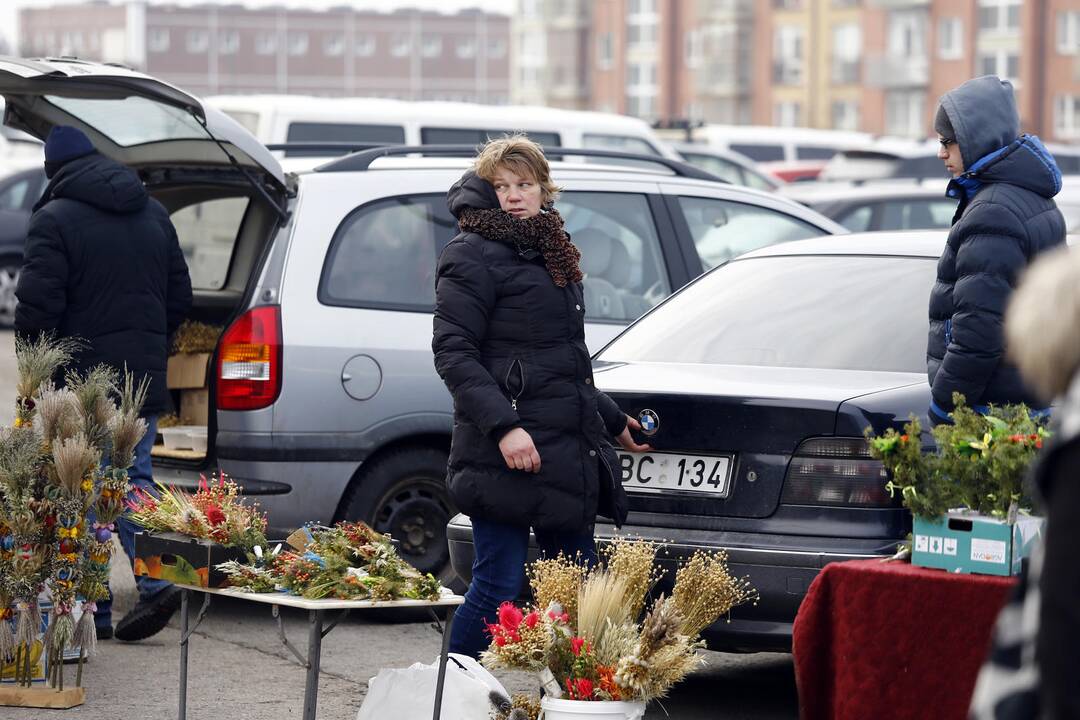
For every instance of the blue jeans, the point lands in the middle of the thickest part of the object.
(141, 476)
(498, 575)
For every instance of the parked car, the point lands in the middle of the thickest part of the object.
(324, 402)
(299, 120)
(763, 375)
(1068, 201)
(885, 205)
(726, 165)
(896, 158)
(18, 193)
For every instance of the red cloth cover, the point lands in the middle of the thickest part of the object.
(891, 640)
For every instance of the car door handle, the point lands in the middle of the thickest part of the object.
(346, 377)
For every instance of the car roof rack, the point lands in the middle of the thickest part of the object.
(360, 161)
(316, 146)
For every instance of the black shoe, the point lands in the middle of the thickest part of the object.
(148, 617)
(105, 632)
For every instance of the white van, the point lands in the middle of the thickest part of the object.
(277, 119)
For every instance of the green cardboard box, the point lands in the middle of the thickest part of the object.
(966, 542)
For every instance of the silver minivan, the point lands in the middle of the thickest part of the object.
(324, 400)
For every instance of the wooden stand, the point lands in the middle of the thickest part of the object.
(41, 697)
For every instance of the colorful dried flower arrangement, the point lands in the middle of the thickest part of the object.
(979, 463)
(216, 512)
(60, 494)
(348, 561)
(585, 634)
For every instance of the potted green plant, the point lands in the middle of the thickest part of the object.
(966, 496)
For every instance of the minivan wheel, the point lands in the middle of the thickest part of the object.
(9, 279)
(404, 493)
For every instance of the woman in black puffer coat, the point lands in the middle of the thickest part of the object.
(532, 436)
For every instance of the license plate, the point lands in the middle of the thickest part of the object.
(654, 472)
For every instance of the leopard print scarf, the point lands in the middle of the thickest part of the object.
(542, 232)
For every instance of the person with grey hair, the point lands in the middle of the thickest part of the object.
(1033, 664)
(1005, 182)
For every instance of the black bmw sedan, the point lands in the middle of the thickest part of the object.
(755, 384)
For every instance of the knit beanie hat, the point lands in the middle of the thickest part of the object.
(63, 145)
(943, 125)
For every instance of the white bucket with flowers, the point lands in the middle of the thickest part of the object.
(599, 652)
(558, 709)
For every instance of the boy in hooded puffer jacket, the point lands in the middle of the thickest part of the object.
(1005, 182)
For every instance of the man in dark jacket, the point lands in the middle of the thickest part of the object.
(103, 265)
(1005, 183)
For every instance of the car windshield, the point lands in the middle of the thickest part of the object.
(810, 311)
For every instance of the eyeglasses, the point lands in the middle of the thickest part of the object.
(946, 142)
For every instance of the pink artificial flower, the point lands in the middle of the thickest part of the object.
(531, 619)
(576, 643)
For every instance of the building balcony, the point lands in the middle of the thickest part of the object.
(899, 4)
(787, 72)
(887, 71)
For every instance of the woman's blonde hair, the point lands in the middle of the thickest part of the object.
(521, 156)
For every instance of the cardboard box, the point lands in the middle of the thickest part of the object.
(966, 542)
(194, 407)
(187, 371)
(182, 559)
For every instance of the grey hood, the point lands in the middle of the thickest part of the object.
(983, 114)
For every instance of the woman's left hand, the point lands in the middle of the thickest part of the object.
(626, 440)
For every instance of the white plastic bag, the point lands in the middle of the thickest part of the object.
(409, 693)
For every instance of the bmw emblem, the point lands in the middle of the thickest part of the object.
(650, 422)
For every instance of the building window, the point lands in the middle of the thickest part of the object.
(951, 39)
(845, 115)
(266, 43)
(157, 40)
(496, 48)
(1004, 64)
(365, 45)
(642, 7)
(693, 48)
(788, 55)
(642, 106)
(334, 45)
(1068, 32)
(298, 43)
(466, 48)
(401, 45)
(431, 47)
(905, 113)
(907, 34)
(1067, 117)
(1000, 16)
(228, 42)
(787, 4)
(530, 8)
(198, 41)
(847, 50)
(605, 51)
(787, 114)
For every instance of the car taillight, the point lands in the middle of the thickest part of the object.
(249, 361)
(837, 472)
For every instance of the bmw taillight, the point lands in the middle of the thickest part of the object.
(249, 361)
(837, 472)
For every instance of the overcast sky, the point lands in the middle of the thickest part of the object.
(9, 8)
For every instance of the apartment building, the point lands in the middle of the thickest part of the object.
(872, 65)
(212, 49)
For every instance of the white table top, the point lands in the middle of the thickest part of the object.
(448, 599)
